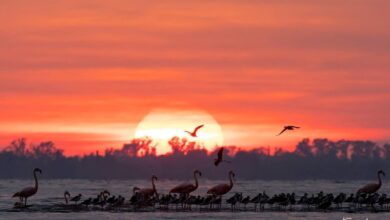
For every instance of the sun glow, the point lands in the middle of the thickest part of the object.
(163, 124)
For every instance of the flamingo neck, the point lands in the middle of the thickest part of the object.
(36, 181)
(196, 180)
(379, 179)
(231, 180)
(154, 186)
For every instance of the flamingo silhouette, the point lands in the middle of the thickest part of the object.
(148, 192)
(193, 133)
(76, 198)
(66, 197)
(29, 191)
(219, 158)
(222, 189)
(372, 187)
(187, 188)
(288, 127)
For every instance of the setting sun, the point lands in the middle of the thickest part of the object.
(162, 124)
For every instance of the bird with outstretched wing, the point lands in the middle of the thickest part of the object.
(288, 127)
(194, 133)
(219, 158)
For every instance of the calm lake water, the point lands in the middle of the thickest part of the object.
(51, 193)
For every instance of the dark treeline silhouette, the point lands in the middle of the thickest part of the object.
(317, 159)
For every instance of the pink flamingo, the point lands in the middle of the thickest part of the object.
(187, 188)
(372, 187)
(148, 192)
(223, 188)
(29, 191)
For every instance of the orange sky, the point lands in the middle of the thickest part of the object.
(85, 73)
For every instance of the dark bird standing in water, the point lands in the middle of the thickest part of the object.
(29, 191)
(288, 127)
(193, 134)
(76, 198)
(372, 187)
(66, 197)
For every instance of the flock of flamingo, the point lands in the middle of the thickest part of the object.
(180, 198)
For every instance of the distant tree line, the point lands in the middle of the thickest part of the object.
(316, 159)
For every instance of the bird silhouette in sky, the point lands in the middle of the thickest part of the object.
(288, 127)
(193, 134)
(219, 158)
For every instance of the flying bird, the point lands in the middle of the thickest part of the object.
(219, 158)
(193, 134)
(288, 127)
(372, 187)
(29, 191)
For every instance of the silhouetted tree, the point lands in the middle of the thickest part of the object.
(319, 158)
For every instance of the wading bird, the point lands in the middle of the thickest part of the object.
(87, 202)
(76, 198)
(66, 197)
(29, 191)
(148, 192)
(187, 188)
(223, 188)
(288, 127)
(193, 134)
(372, 187)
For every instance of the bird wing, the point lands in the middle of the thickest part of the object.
(219, 189)
(295, 127)
(182, 188)
(282, 131)
(78, 197)
(26, 192)
(197, 128)
(147, 191)
(369, 188)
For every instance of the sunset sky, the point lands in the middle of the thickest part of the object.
(85, 73)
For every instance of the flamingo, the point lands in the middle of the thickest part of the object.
(288, 127)
(223, 188)
(148, 192)
(372, 187)
(29, 191)
(135, 197)
(193, 134)
(187, 188)
(219, 158)
(76, 198)
(66, 197)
